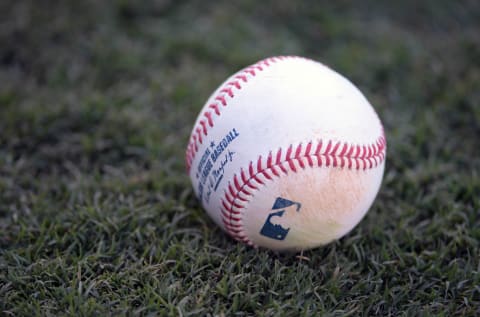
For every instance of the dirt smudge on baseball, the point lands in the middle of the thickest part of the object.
(333, 201)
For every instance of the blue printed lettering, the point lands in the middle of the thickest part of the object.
(211, 168)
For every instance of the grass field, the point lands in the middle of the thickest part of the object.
(97, 214)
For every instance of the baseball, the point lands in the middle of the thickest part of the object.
(286, 154)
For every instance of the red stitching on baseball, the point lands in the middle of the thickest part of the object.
(234, 226)
(208, 115)
(334, 159)
(344, 149)
(204, 126)
(297, 156)
(373, 155)
(288, 159)
(228, 198)
(232, 192)
(236, 183)
(242, 77)
(245, 191)
(214, 106)
(232, 219)
(224, 204)
(221, 99)
(246, 181)
(253, 175)
(270, 165)
(228, 91)
(225, 93)
(236, 84)
(250, 71)
(199, 135)
(329, 146)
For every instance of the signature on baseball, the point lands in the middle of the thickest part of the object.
(216, 175)
(212, 164)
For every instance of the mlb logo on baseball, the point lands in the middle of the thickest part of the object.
(276, 231)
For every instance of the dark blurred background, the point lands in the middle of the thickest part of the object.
(97, 99)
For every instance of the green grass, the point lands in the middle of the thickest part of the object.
(98, 217)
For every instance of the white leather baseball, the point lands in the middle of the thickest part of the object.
(286, 154)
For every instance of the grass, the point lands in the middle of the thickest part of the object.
(97, 216)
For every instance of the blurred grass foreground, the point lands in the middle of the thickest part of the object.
(97, 215)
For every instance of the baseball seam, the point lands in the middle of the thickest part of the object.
(330, 153)
(221, 100)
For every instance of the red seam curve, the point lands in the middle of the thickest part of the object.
(349, 155)
(225, 93)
